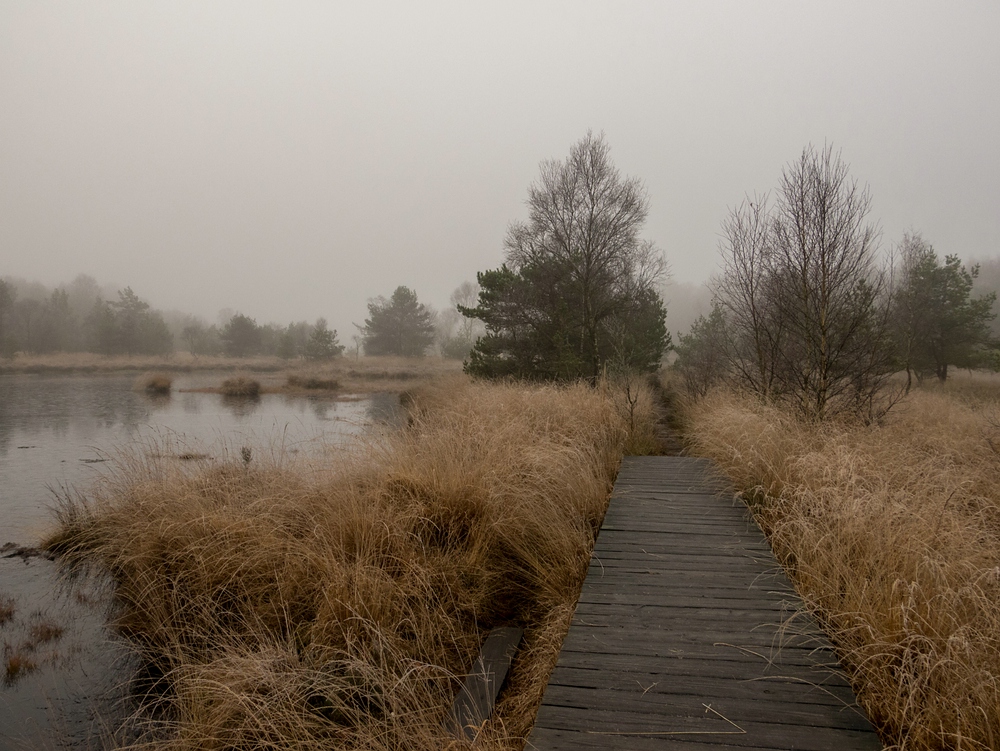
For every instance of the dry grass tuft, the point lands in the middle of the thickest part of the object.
(316, 606)
(892, 534)
(44, 632)
(16, 665)
(8, 607)
(240, 386)
(154, 383)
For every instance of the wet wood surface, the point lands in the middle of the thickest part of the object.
(688, 635)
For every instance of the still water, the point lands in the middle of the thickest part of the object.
(62, 432)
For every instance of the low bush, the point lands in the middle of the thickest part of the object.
(240, 386)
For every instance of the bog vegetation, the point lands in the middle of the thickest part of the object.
(339, 603)
(892, 536)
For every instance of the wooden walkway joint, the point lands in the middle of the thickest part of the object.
(688, 636)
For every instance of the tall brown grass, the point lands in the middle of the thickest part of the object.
(892, 535)
(241, 386)
(337, 603)
(367, 374)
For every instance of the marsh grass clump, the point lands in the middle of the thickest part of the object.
(17, 664)
(240, 386)
(44, 632)
(338, 604)
(892, 535)
(157, 384)
(8, 607)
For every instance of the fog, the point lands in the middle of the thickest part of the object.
(292, 160)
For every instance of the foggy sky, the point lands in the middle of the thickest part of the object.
(291, 160)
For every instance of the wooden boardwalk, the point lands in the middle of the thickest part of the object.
(689, 636)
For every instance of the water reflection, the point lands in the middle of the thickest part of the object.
(384, 407)
(241, 406)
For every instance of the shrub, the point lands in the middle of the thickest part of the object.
(154, 383)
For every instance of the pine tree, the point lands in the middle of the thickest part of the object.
(399, 326)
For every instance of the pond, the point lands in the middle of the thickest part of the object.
(69, 674)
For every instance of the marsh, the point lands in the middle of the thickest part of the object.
(64, 432)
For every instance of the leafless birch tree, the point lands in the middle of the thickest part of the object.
(805, 295)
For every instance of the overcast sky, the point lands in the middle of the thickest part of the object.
(291, 160)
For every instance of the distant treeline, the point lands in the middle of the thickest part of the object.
(83, 316)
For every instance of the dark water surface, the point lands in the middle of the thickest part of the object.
(61, 431)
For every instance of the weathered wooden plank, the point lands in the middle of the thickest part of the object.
(475, 700)
(584, 636)
(729, 564)
(827, 689)
(739, 731)
(555, 739)
(623, 548)
(668, 699)
(589, 636)
(680, 579)
(635, 533)
(683, 594)
(729, 663)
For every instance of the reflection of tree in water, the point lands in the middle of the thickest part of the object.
(156, 401)
(384, 407)
(6, 423)
(191, 404)
(7, 391)
(112, 407)
(241, 406)
(322, 407)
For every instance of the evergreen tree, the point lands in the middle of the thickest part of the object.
(241, 336)
(322, 343)
(578, 290)
(400, 326)
(938, 321)
(701, 353)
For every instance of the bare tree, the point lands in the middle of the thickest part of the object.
(913, 306)
(804, 292)
(744, 294)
